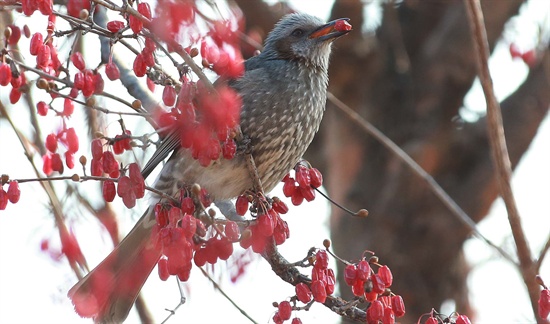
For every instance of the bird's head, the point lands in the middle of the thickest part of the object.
(304, 38)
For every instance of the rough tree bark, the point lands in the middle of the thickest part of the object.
(409, 80)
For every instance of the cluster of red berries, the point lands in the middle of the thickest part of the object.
(130, 187)
(284, 312)
(182, 238)
(13, 77)
(303, 187)
(268, 225)
(52, 161)
(12, 195)
(374, 287)
(88, 81)
(204, 121)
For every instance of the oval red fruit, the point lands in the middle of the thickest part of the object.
(51, 142)
(285, 310)
(78, 61)
(319, 291)
(303, 293)
(109, 191)
(13, 192)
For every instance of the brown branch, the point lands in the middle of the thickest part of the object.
(500, 151)
(289, 273)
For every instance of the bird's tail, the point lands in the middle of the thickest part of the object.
(108, 292)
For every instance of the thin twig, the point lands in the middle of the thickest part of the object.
(181, 302)
(439, 192)
(499, 150)
(226, 296)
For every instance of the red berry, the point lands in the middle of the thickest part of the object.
(307, 192)
(375, 312)
(112, 71)
(169, 96)
(44, 56)
(68, 107)
(150, 44)
(79, 81)
(135, 24)
(13, 192)
(96, 167)
(385, 274)
(109, 191)
(148, 58)
(350, 274)
(229, 148)
(303, 293)
(232, 231)
(5, 74)
(285, 310)
(139, 64)
(200, 257)
(318, 289)
(463, 319)
(125, 191)
(296, 320)
(302, 177)
(163, 269)
(72, 140)
(377, 284)
(398, 305)
(51, 142)
(265, 225)
(99, 84)
(138, 182)
(15, 95)
(47, 164)
(241, 205)
(3, 199)
(69, 160)
(289, 187)
(363, 270)
(37, 41)
(97, 149)
(115, 25)
(321, 259)
(389, 316)
(187, 205)
(145, 10)
(297, 198)
(189, 225)
(78, 61)
(42, 108)
(316, 178)
(432, 320)
(358, 288)
(544, 303)
(57, 163)
(280, 207)
(109, 162)
(342, 25)
(331, 281)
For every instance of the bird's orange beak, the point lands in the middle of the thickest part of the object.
(332, 30)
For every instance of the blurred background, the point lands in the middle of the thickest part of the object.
(409, 69)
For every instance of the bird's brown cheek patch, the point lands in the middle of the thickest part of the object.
(284, 49)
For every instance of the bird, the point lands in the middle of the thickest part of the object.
(283, 93)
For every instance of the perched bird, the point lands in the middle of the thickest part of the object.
(283, 92)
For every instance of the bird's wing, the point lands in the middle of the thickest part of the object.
(168, 145)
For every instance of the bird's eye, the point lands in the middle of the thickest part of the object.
(297, 32)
